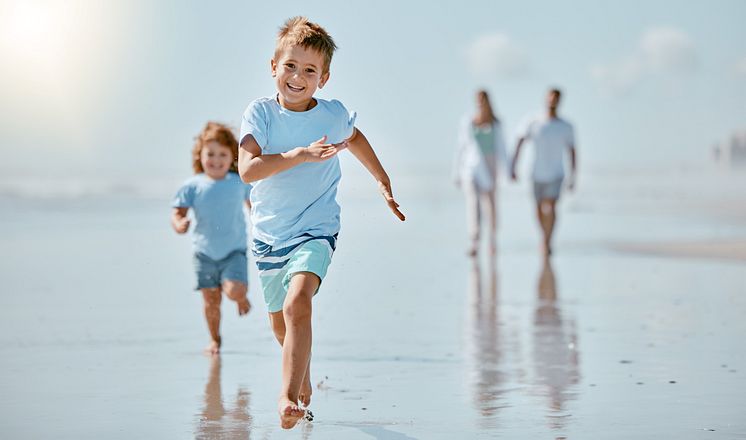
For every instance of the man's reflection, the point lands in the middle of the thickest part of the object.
(555, 349)
(215, 421)
(487, 376)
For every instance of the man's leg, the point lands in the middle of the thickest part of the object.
(296, 347)
(212, 297)
(546, 214)
(551, 216)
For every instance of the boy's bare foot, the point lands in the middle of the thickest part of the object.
(243, 306)
(306, 390)
(213, 348)
(290, 413)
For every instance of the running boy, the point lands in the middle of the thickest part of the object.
(217, 196)
(289, 142)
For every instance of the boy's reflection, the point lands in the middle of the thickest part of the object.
(555, 349)
(215, 421)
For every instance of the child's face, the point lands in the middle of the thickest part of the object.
(216, 159)
(298, 72)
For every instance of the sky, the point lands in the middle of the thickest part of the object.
(119, 89)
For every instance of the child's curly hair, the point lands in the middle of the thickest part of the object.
(220, 133)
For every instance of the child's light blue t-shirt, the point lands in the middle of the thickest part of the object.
(218, 211)
(301, 200)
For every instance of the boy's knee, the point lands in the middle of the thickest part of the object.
(297, 307)
(235, 290)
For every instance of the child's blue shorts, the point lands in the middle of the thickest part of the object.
(277, 266)
(212, 273)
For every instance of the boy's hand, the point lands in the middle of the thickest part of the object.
(385, 188)
(181, 225)
(320, 151)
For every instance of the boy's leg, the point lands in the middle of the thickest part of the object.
(236, 291)
(278, 327)
(212, 297)
(296, 347)
(235, 279)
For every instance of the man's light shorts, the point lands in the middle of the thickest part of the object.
(547, 190)
(277, 266)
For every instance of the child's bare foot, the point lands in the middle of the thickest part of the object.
(243, 306)
(306, 390)
(213, 348)
(290, 413)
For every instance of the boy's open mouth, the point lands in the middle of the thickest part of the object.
(295, 89)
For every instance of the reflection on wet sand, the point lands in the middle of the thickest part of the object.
(555, 350)
(215, 421)
(487, 377)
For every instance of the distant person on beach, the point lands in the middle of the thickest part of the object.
(289, 143)
(553, 138)
(480, 149)
(217, 195)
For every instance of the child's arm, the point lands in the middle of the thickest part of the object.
(179, 220)
(253, 165)
(360, 147)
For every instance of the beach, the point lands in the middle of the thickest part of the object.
(633, 328)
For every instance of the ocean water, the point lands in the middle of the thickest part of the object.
(101, 333)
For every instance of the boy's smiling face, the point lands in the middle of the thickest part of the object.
(298, 72)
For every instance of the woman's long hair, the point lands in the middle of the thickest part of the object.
(489, 117)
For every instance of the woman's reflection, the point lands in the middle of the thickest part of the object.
(487, 376)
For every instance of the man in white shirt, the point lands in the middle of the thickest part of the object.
(552, 137)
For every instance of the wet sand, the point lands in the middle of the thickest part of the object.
(733, 249)
(101, 335)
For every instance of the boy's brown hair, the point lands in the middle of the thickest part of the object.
(220, 133)
(298, 31)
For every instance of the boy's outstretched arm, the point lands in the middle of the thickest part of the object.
(179, 220)
(360, 147)
(253, 165)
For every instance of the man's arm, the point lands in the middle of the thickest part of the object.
(517, 153)
(362, 150)
(573, 168)
(253, 165)
(179, 220)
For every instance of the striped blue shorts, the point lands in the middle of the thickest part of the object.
(277, 266)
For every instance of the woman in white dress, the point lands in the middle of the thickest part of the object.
(481, 147)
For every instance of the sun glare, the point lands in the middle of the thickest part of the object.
(34, 38)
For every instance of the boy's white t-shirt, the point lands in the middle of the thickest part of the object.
(301, 200)
(551, 138)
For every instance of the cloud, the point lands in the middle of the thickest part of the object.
(620, 76)
(741, 66)
(669, 50)
(496, 55)
(659, 51)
